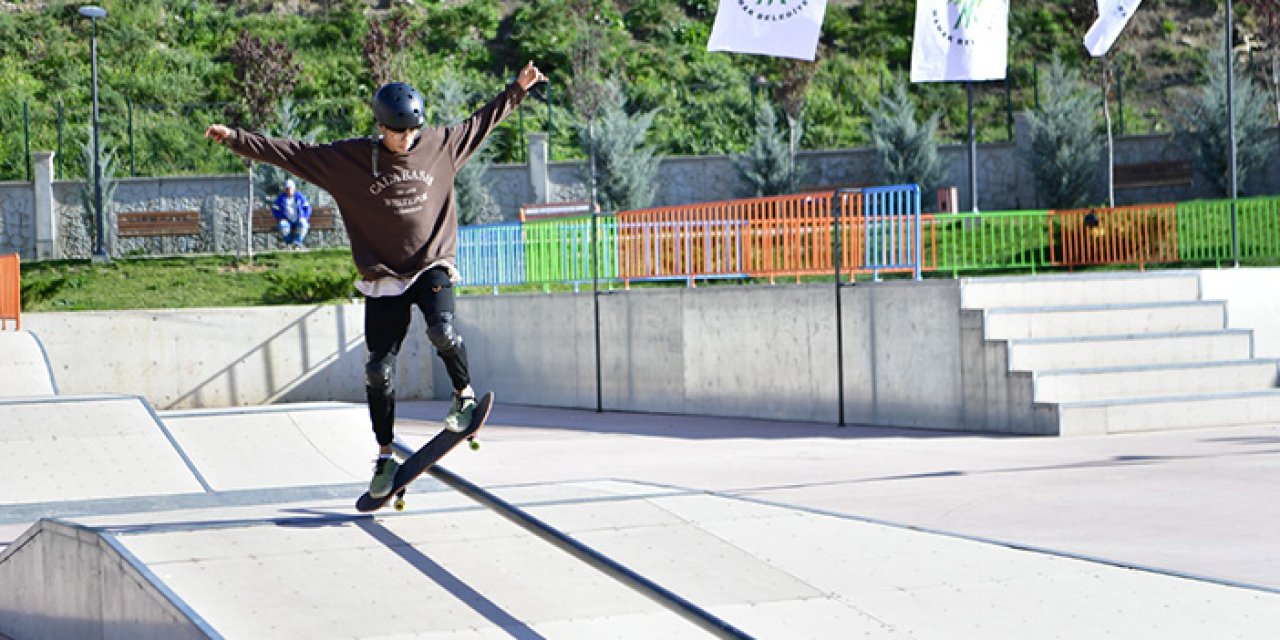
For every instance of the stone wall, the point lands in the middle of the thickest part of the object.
(1004, 183)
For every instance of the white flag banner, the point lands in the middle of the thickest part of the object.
(957, 40)
(1113, 15)
(780, 28)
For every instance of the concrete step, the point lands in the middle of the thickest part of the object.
(1052, 322)
(1039, 354)
(1115, 383)
(1169, 413)
(1078, 290)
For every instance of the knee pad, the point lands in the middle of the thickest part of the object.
(441, 333)
(380, 373)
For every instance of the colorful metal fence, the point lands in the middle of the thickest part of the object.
(1204, 229)
(791, 236)
(1138, 235)
(492, 254)
(10, 291)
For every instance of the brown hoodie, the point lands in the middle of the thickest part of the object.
(398, 208)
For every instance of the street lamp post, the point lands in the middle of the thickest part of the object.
(93, 13)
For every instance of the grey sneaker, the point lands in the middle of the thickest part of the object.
(459, 416)
(384, 476)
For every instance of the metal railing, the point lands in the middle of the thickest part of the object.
(1136, 235)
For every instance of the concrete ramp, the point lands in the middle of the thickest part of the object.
(285, 446)
(24, 366)
(62, 449)
(68, 581)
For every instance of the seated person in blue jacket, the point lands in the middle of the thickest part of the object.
(293, 215)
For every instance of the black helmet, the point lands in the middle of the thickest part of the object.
(398, 106)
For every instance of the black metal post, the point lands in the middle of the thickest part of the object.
(550, 125)
(595, 299)
(128, 101)
(99, 249)
(1231, 127)
(973, 153)
(837, 210)
(26, 137)
(1120, 97)
(1008, 109)
(61, 123)
(1035, 83)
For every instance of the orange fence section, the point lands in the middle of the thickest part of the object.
(1139, 235)
(10, 291)
(768, 237)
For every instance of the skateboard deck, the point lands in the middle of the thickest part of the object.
(429, 454)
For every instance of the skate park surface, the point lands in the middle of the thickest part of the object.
(242, 520)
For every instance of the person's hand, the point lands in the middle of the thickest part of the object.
(218, 133)
(529, 76)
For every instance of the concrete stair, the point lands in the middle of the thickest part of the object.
(1117, 353)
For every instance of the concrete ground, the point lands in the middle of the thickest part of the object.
(1199, 502)
(782, 530)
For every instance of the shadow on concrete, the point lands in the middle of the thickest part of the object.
(451, 583)
(671, 425)
(345, 355)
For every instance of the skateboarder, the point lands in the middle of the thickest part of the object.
(395, 193)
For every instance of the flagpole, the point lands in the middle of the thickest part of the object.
(1111, 145)
(973, 153)
(1231, 126)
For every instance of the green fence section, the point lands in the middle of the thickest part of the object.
(987, 241)
(560, 250)
(1204, 229)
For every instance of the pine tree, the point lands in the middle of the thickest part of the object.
(627, 169)
(1202, 125)
(1065, 146)
(908, 149)
(767, 166)
(88, 193)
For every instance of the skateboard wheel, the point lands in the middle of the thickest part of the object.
(475, 446)
(399, 504)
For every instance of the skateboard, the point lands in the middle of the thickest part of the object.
(429, 454)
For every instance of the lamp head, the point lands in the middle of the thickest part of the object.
(93, 12)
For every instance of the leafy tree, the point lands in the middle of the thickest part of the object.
(1065, 147)
(628, 169)
(908, 149)
(768, 165)
(1203, 125)
(265, 72)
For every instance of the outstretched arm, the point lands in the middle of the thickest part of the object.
(299, 158)
(465, 137)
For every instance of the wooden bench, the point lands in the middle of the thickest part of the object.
(544, 210)
(1176, 173)
(322, 219)
(142, 224)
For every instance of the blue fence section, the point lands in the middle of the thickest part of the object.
(892, 219)
(492, 254)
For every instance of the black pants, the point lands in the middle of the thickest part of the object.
(386, 322)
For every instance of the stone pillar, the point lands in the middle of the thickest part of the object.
(46, 221)
(539, 173)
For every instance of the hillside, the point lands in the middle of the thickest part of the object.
(165, 70)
